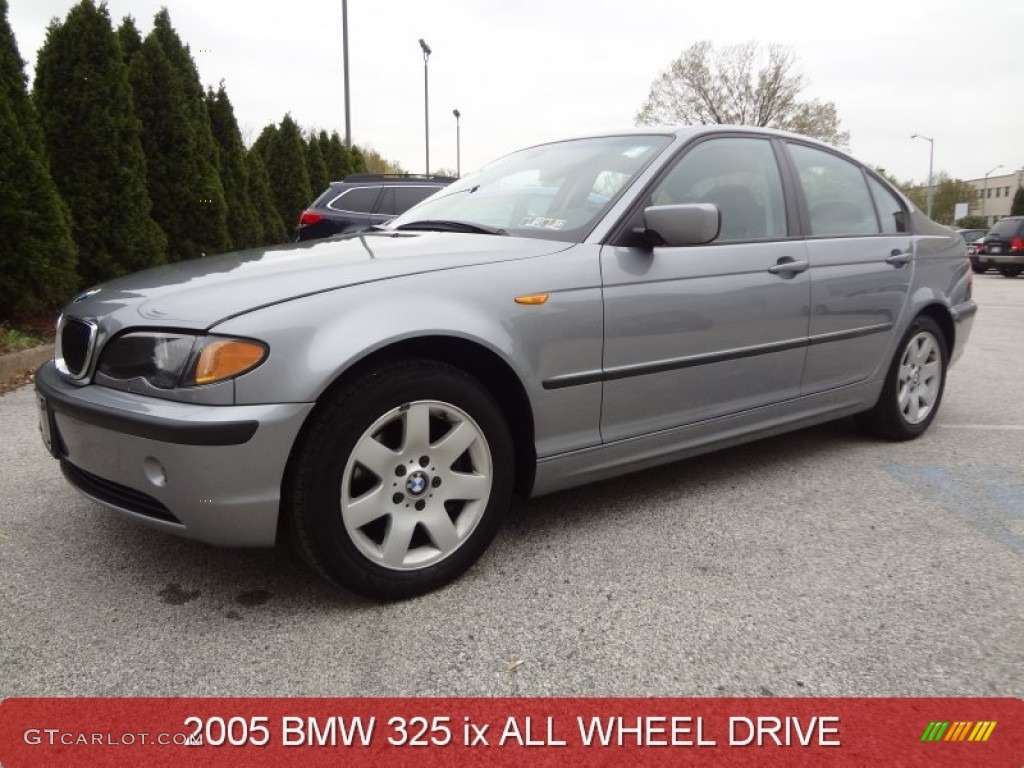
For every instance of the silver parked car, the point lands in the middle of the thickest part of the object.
(574, 311)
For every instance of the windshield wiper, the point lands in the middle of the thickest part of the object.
(444, 225)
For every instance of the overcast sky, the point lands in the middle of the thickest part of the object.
(528, 71)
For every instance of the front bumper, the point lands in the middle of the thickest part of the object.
(210, 473)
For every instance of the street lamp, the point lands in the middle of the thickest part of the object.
(426, 100)
(931, 157)
(985, 193)
(344, 50)
(458, 145)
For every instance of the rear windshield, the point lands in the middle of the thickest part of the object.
(1006, 227)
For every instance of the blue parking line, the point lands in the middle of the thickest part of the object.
(990, 499)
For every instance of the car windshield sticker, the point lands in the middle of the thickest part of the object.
(539, 222)
(635, 152)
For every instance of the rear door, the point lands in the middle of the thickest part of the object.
(860, 251)
(398, 199)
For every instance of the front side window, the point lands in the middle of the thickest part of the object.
(739, 176)
(399, 199)
(554, 191)
(837, 196)
(407, 197)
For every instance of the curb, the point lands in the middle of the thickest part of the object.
(17, 363)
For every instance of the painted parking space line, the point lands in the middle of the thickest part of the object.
(990, 499)
(1019, 427)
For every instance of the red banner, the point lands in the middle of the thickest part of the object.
(573, 731)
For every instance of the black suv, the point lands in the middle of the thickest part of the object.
(1004, 245)
(365, 199)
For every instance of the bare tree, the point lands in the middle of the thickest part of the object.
(739, 85)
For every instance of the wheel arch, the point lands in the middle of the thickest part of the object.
(483, 364)
(942, 316)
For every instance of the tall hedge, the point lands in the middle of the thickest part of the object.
(336, 155)
(316, 166)
(182, 156)
(285, 158)
(244, 230)
(92, 135)
(37, 255)
(272, 229)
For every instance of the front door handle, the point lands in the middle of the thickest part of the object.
(787, 266)
(897, 259)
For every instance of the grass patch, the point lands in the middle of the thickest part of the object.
(17, 339)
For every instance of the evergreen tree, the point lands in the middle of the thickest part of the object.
(264, 142)
(339, 164)
(286, 167)
(244, 229)
(184, 174)
(84, 101)
(358, 162)
(272, 229)
(130, 38)
(37, 255)
(1017, 206)
(316, 166)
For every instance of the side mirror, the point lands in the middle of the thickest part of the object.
(687, 224)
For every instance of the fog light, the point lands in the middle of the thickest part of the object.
(154, 472)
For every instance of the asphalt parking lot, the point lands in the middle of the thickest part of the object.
(816, 564)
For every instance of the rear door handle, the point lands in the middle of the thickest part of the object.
(787, 266)
(897, 259)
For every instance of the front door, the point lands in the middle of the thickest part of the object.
(697, 332)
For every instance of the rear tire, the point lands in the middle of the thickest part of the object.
(401, 480)
(914, 384)
(1011, 270)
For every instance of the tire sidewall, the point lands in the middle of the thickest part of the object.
(326, 451)
(891, 414)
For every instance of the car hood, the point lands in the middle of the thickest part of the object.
(203, 292)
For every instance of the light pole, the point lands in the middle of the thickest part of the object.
(344, 49)
(985, 193)
(426, 100)
(458, 145)
(931, 157)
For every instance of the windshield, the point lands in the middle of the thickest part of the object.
(554, 191)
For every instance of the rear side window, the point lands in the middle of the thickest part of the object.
(837, 194)
(355, 200)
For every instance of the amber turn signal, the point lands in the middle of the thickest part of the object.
(223, 359)
(532, 298)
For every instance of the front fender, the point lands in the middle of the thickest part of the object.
(316, 339)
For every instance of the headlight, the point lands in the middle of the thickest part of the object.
(169, 360)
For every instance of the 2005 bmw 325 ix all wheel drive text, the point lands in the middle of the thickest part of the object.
(573, 311)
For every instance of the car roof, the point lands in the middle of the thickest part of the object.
(395, 178)
(686, 132)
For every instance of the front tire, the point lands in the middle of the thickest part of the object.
(401, 480)
(914, 384)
